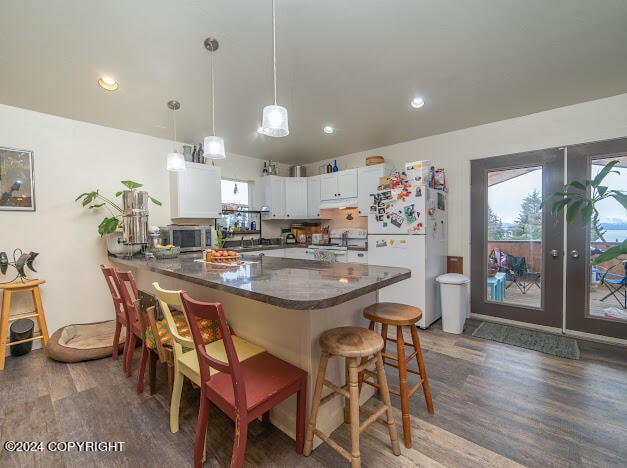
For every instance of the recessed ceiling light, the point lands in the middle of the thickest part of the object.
(328, 129)
(417, 102)
(108, 83)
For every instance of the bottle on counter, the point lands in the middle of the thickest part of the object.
(265, 169)
(335, 168)
(329, 168)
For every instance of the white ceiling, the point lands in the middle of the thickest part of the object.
(353, 64)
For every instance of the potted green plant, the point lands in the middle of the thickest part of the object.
(580, 198)
(95, 200)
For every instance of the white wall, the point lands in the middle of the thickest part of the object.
(590, 121)
(72, 157)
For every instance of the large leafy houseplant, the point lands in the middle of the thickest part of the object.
(581, 198)
(95, 200)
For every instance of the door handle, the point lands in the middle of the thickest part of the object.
(574, 254)
(554, 253)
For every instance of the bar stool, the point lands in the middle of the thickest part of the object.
(9, 290)
(401, 315)
(351, 343)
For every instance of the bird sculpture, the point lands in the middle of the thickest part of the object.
(20, 262)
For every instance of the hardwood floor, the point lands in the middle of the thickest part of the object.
(495, 405)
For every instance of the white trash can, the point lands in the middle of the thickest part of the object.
(454, 301)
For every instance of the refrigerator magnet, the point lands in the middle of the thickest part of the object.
(396, 219)
(410, 213)
(418, 192)
(381, 243)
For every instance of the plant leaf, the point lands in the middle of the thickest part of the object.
(117, 194)
(619, 197)
(586, 213)
(131, 185)
(559, 206)
(601, 175)
(571, 212)
(611, 253)
(577, 185)
(97, 206)
(601, 189)
(155, 201)
(107, 226)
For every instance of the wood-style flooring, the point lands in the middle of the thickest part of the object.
(495, 405)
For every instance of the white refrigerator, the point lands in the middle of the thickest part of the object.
(407, 227)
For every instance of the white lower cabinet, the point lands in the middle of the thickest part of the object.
(355, 256)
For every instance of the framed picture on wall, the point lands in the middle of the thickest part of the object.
(17, 184)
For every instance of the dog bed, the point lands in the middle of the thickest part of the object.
(83, 342)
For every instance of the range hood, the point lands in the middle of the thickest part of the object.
(341, 203)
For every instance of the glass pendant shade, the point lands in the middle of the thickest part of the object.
(214, 147)
(274, 122)
(175, 162)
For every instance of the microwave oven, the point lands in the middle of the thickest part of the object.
(188, 238)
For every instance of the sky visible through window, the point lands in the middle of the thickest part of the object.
(505, 200)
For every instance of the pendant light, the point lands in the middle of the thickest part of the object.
(176, 161)
(213, 145)
(274, 122)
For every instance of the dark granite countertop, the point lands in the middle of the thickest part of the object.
(284, 282)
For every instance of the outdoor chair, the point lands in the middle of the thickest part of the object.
(617, 286)
(516, 271)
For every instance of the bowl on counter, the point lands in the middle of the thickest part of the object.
(164, 252)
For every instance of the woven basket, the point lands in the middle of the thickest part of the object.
(372, 160)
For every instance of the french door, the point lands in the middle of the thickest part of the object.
(530, 266)
(508, 225)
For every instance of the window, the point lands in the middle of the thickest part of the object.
(235, 192)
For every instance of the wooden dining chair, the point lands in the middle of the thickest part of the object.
(118, 306)
(242, 390)
(185, 359)
(137, 323)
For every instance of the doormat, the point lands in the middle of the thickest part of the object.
(531, 339)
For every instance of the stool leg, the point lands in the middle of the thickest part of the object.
(385, 394)
(421, 368)
(402, 377)
(353, 391)
(6, 307)
(315, 403)
(41, 318)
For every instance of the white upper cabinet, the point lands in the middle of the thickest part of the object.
(274, 196)
(336, 185)
(313, 196)
(295, 197)
(196, 192)
(368, 180)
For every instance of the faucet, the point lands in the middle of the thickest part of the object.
(242, 242)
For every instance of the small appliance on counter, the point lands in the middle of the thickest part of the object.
(287, 236)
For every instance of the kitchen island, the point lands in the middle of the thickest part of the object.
(281, 304)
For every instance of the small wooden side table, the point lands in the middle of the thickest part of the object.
(5, 317)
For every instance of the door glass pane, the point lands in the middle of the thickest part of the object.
(514, 273)
(606, 281)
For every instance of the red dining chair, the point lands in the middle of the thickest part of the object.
(242, 390)
(120, 311)
(138, 322)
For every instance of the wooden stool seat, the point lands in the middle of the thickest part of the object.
(401, 315)
(6, 317)
(393, 314)
(351, 343)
